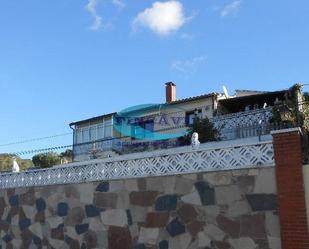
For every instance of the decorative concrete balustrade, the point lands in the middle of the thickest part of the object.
(246, 118)
(208, 157)
(243, 124)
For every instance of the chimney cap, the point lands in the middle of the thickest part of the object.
(170, 83)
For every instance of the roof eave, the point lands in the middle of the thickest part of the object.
(92, 118)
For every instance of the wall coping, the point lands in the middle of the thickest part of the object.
(298, 129)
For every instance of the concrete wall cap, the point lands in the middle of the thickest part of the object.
(286, 131)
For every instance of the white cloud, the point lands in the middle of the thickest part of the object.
(231, 9)
(162, 18)
(119, 3)
(188, 66)
(91, 7)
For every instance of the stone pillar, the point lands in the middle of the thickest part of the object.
(290, 185)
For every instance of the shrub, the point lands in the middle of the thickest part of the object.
(205, 130)
(45, 160)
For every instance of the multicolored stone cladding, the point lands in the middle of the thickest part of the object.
(217, 210)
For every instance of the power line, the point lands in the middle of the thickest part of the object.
(35, 139)
(41, 150)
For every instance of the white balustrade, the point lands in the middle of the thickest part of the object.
(239, 119)
(181, 160)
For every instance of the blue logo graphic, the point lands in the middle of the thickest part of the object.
(151, 122)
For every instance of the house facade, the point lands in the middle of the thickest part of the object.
(149, 127)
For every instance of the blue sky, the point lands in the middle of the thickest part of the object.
(66, 60)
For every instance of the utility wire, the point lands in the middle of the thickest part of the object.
(40, 150)
(36, 139)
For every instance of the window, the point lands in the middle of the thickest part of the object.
(108, 128)
(143, 129)
(85, 134)
(94, 132)
(149, 125)
(78, 136)
(100, 133)
(197, 113)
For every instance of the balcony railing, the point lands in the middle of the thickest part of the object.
(250, 117)
(243, 124)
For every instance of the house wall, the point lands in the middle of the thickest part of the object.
(173, 110)
(227, 209)
(169, 120)
(206, 105)
(178, 111)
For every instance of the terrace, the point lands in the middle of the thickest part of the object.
(246, 124)
(242, 116)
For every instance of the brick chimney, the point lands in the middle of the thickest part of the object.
(170, 92)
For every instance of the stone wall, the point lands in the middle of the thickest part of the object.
(218, 210)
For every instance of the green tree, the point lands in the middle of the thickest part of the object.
(6, 162)
(286, 112)
(204, 128)
(67, 156)
(45, 160)
(306, 111)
